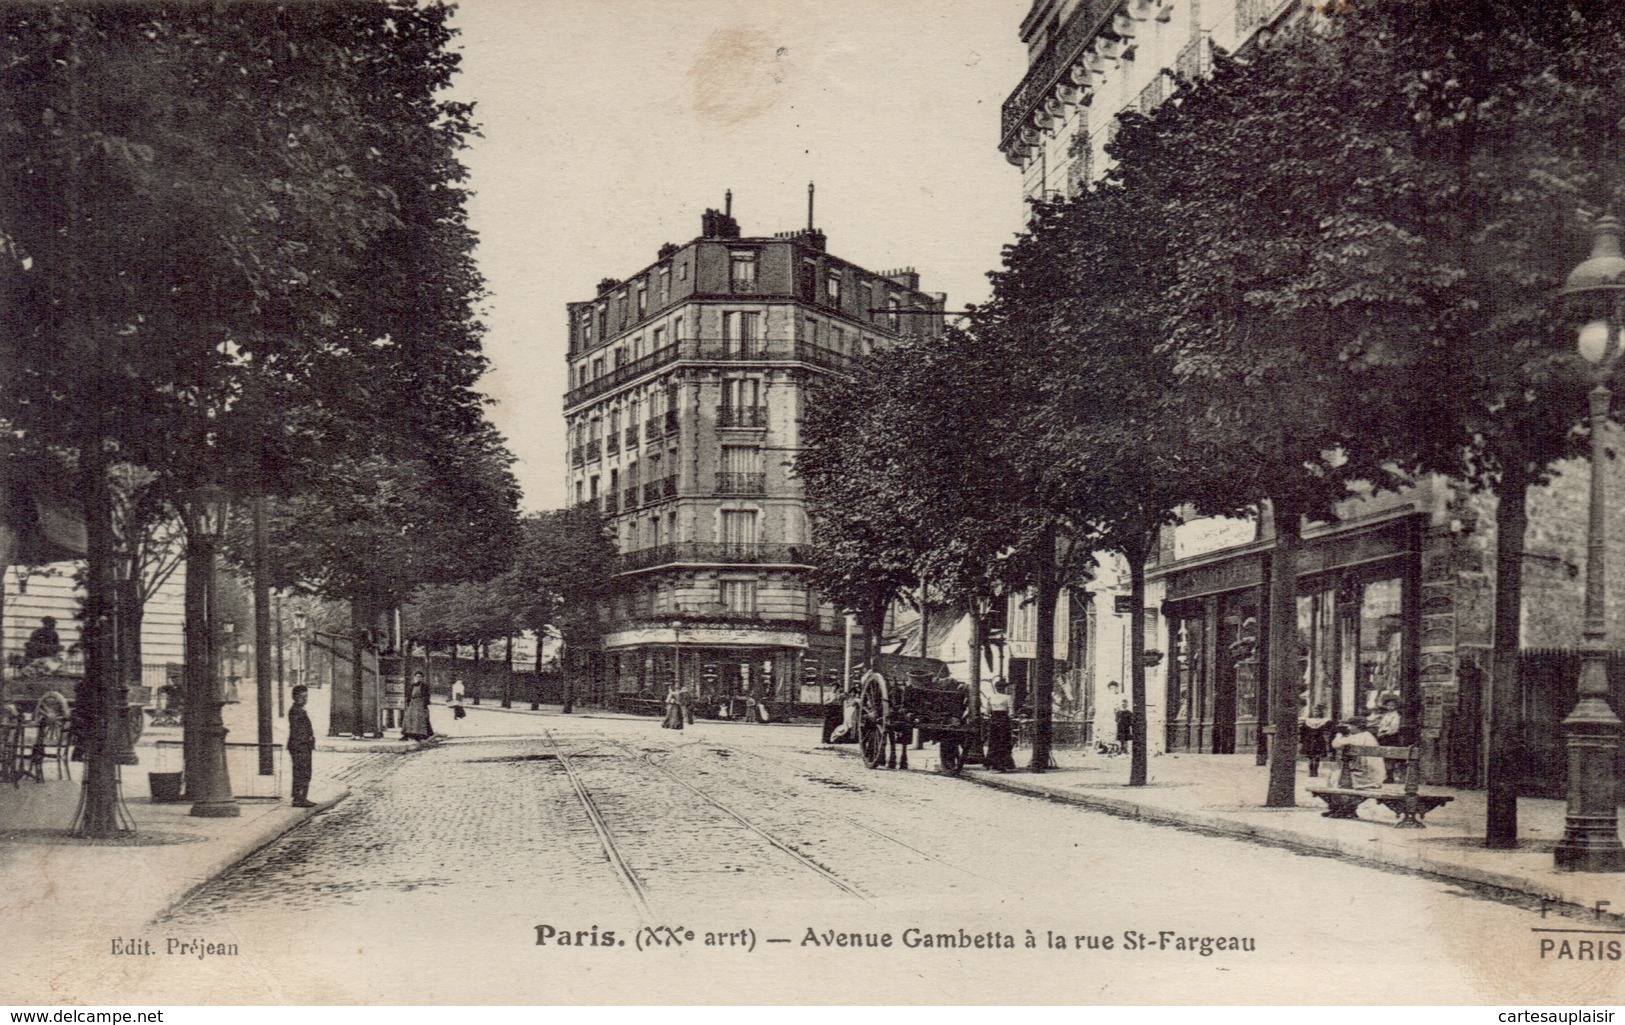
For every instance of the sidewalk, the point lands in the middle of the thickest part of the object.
(1224, 794)
(53, 884)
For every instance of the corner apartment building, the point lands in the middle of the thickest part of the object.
(688, 384)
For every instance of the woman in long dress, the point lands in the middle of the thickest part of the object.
(674, 710)
(415, 724)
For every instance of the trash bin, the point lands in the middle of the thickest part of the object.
(166, 787)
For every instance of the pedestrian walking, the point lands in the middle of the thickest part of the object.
(1000, 739)
(1314, 733)
(1125, 728)
(674, 710)
(457, 709)
(301, 745)
(415, 724)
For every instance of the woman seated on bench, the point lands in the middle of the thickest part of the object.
(1367, 773)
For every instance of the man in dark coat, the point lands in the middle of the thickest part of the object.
(301, 743)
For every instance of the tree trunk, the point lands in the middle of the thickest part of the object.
(507, 677)
(99, 816)
(1502, 729)
(1136, 556)
(1043, 674)
(1283, 655)
(198, 675)
(359, 627)
(262, 641)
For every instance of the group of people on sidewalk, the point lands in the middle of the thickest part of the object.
(1321, 737)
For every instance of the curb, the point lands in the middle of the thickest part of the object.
(1384, 856)
(271, 827)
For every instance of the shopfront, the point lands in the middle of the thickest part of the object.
(1357, 632)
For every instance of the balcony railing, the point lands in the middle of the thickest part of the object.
(612, 443)
(1066, 49)
(714, 552)
(632, 437)
(742, 416)
(741, 483)
(593, 452)
(611, 504)
(1194, 59)
(671, 422)
(620, 375)
(709, 350)
(651, 492)
(629, 498)
(654, 429)
(578, 455)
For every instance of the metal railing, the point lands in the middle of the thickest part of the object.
(593, 452)
(741, 484)
(671, 422)
(710, 350)
(1194, 58)
(1063, 51)
(632, 437)
(651, 492)
(717, 552)
(741, 416)
(655, 428)
(612, 443)
(578, 456)
(611, 504)
(629, 498)
(668, 486)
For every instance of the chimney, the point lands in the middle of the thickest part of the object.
(810, 228)
(715, 224)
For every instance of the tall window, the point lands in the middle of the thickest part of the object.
(603, 320)
(813, 331)
(660, 339)
(677, 329)
(832, 288)
(742, 271)
(586, 328)
(739, 526)
(643, 299)
(620, 356)
(741, 392)
(837, 337)
(741, 459)
(893, 319)
(739, 597)
(665, 285)
(741, 331)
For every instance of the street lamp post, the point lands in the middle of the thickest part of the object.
(1595, 292)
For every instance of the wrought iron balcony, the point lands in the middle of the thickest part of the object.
(612, 443)
(714, 553)
(708, 350)
(578, 455)
(741, 484)
(651, 492)
(632, 437)
(742, 416)
(593, 452)
(629, 498)
(668, 486)
(611, 504)
(1088, 20)
(671, 422)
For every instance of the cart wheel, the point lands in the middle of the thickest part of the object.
(872, 724)
(953, 756)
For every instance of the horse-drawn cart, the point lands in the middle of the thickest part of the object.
(896, 699)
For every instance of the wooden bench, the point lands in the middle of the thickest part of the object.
(1343, 800)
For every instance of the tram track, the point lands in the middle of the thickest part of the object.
(624, 873)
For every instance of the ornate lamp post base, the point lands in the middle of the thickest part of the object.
(1591, 831)
(215, 801)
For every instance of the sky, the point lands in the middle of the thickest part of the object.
(609, 126)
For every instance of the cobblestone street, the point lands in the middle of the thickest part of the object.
(435, 880)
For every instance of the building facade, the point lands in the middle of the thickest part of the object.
(688, 382)
(1396, 594)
